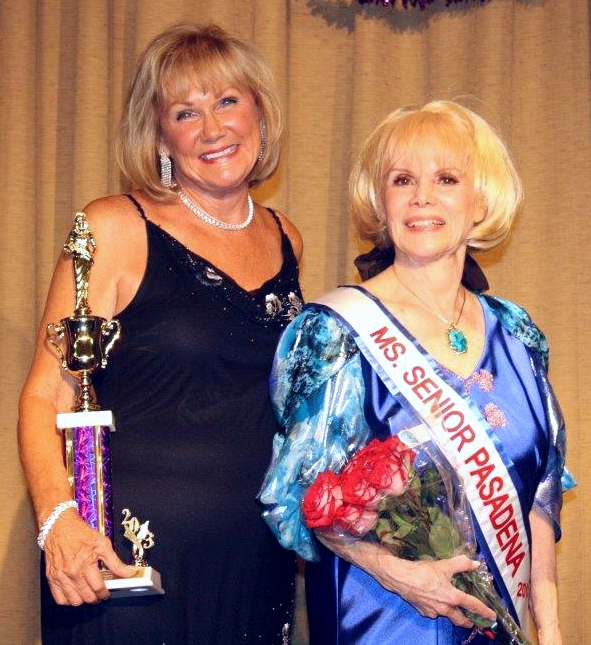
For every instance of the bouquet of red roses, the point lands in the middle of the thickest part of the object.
(381, 495)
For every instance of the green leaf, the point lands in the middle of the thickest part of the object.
(442, 536)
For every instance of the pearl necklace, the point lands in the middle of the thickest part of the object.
(456, 339)
(210, 219)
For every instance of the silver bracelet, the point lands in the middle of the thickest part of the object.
(52, 519)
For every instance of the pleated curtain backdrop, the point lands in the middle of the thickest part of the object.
(341, 66)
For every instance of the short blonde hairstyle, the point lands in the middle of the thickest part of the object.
(181, 57)
(462, 135)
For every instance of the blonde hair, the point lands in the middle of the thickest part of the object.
(180, 57)
(463, 136)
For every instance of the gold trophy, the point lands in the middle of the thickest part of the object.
(87, 341)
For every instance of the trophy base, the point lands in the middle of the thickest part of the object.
(145, 582)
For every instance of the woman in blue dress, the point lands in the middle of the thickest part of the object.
(409, 352)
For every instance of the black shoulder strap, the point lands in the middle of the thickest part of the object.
(138, 206)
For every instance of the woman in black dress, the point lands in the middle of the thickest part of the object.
(202, 281)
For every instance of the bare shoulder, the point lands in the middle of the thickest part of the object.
(293, 233)
(108, 216)
(116, 227)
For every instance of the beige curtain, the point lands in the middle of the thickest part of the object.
(341, 66)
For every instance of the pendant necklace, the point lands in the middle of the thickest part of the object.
(210, 219)
(456, 339)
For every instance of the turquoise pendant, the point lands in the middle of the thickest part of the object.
(456, 340)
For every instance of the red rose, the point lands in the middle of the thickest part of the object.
(322, 501)
(358, 489)
(397, 447)
(382, 465)
(356, 520)
(390, 477)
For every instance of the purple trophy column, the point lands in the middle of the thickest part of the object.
(92, 476)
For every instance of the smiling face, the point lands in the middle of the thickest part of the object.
(213, 136)
(430, 202)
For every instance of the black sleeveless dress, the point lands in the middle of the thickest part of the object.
(188, 385)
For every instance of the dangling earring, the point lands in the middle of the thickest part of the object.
(165, 169)
(263, 148)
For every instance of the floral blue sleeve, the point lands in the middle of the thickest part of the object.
(318, 395)
(557, 478)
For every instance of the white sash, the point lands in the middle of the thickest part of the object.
(458, 431)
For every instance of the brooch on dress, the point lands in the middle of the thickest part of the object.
(289, 309)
